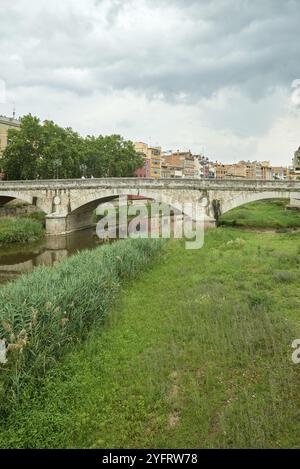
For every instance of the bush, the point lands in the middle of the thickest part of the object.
(39, 216)
(19, 230)
(258, 298)
(236, 243)
(43, 313)
(285, 276)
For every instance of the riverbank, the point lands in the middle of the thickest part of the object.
(196, 354)
(44, 313)
(20, 230)
(274, 213)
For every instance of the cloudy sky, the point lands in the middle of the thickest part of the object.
(219, 76)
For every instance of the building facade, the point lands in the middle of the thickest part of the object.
(279, 172)
(245, 170)
(180, 164)
(296, 160)
(152, 160)
(6, 123)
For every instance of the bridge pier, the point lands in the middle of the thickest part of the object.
(63, 224)
(209, 222)
(294, 202)
(56, 224)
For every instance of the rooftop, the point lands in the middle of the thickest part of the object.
(10, 121)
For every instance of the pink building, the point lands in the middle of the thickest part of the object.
(144, 171)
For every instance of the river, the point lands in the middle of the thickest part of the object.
(18, 259)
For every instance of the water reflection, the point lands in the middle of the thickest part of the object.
(18, 259)
(15, 260)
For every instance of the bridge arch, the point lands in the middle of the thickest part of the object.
(95, 198)
(245, 197)
(81, 214)
(6, 197)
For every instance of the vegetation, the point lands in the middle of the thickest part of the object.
(47, 311)
(19, 230)
(197, 352)
(39, 216)
(263, 214)
(48, 151)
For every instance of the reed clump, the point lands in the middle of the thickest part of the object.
(46, 312)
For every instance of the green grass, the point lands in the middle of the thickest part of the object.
(196, 354)
(19, 230)
(44, 313)
(38, 216)
(263, 214)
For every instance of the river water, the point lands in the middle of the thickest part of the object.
(18, 259)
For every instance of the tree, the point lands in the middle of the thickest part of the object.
(45, 151)
(23, 150)
(111, 156)
(62, 152)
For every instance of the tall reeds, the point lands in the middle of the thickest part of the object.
(43, 313)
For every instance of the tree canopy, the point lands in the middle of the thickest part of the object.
(45, 150)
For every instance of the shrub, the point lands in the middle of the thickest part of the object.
(44, 312)
(236, 243)
(39, 216)
(258, 298)
(285, 276)
(19, 230)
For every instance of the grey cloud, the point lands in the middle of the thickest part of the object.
(165, 47)
(189, 52)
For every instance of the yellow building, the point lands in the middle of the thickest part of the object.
(244, 169)
(152, 157)
(5, 124)
(266, 170)
(235, 170)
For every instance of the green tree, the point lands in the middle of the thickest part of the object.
(23, 150)
(111, 156)
(62, 152)
(46, 150)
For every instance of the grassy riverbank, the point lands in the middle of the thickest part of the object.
(196, 354)
(44, 313)
(19, 230)
(263, 214)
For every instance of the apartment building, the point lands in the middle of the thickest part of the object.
(296, 161)
(228, 171)
(152, 160)
(244, 169)
(6, 123)
(279, 172)
(173, 164)
(266, 170)
(180, 164)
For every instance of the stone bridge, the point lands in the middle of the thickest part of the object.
(69, 204)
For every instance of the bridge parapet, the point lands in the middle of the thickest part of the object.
(200, 184)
